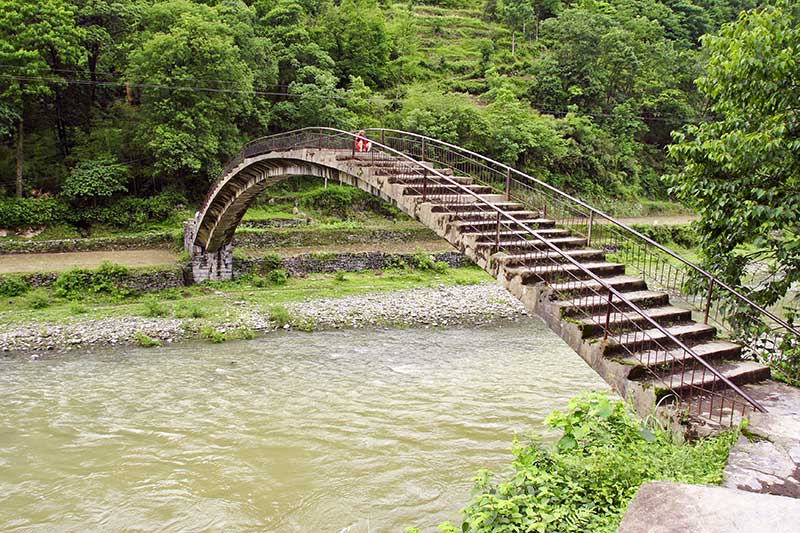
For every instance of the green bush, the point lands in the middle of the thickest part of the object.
(132, 213)
(212, 335)
(13, 286)
(280, 315)
(441, 267)
(154, 308)
(77, 309)
(19, 213)
(76, 283)
(145, 341)
(277, 277)
(271, 261)
(189, 311)
(340, 276)
(38, 299)
(585, 481)
(342, 202)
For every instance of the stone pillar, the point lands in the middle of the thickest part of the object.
(216, 266)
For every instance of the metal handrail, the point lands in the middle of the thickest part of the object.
(710, 277)
(501, 212)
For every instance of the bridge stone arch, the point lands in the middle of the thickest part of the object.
(208, 237)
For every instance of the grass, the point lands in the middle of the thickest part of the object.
(212, 302)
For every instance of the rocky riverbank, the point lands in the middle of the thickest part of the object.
(479, 304)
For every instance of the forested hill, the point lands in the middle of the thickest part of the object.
(106, 98)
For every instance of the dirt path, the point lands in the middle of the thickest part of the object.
(659, 220)
(64, 261)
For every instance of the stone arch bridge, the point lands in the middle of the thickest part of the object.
(651, 323)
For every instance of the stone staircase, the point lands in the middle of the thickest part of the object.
(639, 361)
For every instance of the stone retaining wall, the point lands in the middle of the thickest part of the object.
(299, 237)
(154, 279)
(132, 242)
(348, 262)
(138, 280)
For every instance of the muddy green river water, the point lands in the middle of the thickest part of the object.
(342, 431)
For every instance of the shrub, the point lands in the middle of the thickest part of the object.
(271, 261)
(77, 283)
(277, 277)
(211, 334)
(38, 299)
(189, 311)
(145, 341)
(131, 212)
(18, 213)
(153, 307)
(13, 286)
(342, 201)
(585, 481)
(77, 309)
(441, 267)
(245, 333)
(280, 315)
(96, 178)
(340, 276)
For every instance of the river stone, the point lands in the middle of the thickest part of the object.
(666, 507)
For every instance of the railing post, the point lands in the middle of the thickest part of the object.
(353, 153)
(508, 184)
(497, 235)
(383, 140)
(608, 315)
(589, 232)
(425, 184)
(423, 150)
(708, 300)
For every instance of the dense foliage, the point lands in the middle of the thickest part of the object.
(583, 93)
(742, 170)
(585, 481)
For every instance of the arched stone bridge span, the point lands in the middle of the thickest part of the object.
(546, 247)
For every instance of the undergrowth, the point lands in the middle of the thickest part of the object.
(585, 481)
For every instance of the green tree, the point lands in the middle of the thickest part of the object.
(197, 87)
(359, 41)
(95, 179)
(741, 170)
(38, 40)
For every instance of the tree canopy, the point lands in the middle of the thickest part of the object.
(741, 168)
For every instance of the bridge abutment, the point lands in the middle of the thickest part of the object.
(214, 266)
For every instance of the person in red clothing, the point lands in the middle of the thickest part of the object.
(362, 144)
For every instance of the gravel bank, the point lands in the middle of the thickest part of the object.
(427, 307)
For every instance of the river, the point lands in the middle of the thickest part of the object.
(341, 431)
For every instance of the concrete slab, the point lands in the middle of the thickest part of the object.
(666, 507)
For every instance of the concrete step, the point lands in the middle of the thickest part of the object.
(554, 272)
(529, 220)
(507, 234)
(443, 190)
(517, 246)
(595, 303)
(658, 361)
(470, 206)
(548, 258)
(653, 339)
(631, 321)
(685, 382)
(592, 287)
(491, 216)
(402, 167)
(416, 179)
